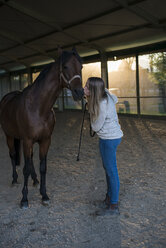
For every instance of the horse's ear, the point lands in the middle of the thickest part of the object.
(74, 50)
(59, 51)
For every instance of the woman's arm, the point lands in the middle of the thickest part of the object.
(99, 122)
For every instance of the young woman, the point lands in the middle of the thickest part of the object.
(104, 121)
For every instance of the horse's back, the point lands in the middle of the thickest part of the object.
(8, 97)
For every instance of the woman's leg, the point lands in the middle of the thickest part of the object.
(108, 152)
(102, 147)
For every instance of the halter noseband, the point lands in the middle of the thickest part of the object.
(65, 79)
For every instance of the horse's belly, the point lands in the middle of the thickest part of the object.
(19, 125)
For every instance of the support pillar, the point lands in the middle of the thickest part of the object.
(104, 70)
(30, 79)
(10, 82)
(137, 86)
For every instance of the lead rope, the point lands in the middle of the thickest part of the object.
(92, 134)
(78, 156)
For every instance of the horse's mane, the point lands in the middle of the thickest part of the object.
(78, 57)
(65, 56)
(44, 72)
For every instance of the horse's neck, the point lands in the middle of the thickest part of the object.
(46, 91)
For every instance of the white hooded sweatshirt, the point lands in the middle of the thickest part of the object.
(107, 125)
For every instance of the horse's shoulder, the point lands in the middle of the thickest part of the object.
(50, 119)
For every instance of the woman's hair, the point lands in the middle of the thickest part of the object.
(97, 93)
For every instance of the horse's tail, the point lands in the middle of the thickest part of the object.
(17, 145)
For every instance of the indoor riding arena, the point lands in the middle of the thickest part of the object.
(124, 43)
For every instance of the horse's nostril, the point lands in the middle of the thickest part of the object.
(78, 94)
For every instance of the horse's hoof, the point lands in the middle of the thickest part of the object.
(45, 201)
(14, 181)
(24, 205)
(35, 183)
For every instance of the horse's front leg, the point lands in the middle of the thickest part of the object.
(43, 149)
(27, 146)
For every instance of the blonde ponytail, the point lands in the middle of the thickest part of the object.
(97, 93)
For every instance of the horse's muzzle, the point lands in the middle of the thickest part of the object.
(77, 94)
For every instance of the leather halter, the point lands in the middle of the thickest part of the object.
(65, 79)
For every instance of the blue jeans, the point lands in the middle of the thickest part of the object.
(108, 153)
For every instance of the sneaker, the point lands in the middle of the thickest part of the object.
(106, 201)
(112, 209)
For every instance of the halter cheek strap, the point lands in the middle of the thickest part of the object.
(69, 81)
(65, 79)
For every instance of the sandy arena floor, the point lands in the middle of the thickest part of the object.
(75, 188)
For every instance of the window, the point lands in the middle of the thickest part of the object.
(35, 75)
(15, 82)
(4, 86)
(91, 70)
(122, 83)
(152, 82)
(24, 80)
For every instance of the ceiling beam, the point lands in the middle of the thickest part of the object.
(36, 16)
(57, 28)
(113, 34)
(12, 4)
(139, 11)
(92, 40)
(4, 68)
(13, 59)
(2, 2)
(12, 37)
(144, 14)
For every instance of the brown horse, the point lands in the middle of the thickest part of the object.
(28, 116)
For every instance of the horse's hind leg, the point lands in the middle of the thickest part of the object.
(12, 153)
(43, 149)
(33, 173)
(17, 146)
(27, 145)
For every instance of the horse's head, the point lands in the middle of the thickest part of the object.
(70, 73)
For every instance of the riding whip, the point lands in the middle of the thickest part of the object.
(92, 134)
(81, 133)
